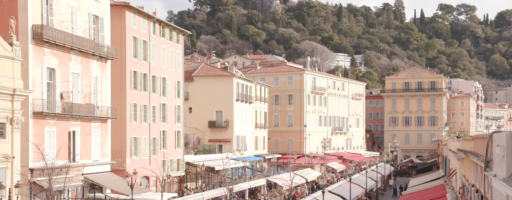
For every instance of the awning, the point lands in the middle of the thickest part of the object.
(365, 153)
(269, 155)
(219, 140)
(375, 176)
(423, 186)
(438, 192)
(198, 196)
(250, 184)
(318, 196)
(215, 193)
(308, 174)
(344, 190)
(222, 164)
(386, 166)
(287, 180)
(116, 196)
(337, 166)
(363, 181)
(59, 183)
(250, 158)
(424, 178)
(115, 183)
(381, 170)
(155, 196)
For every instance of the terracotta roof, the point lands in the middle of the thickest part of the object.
(208, 70)
(190, 69)
(274, 69)
(257, 57)
(492, 106)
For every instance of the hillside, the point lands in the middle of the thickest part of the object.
(453, 41)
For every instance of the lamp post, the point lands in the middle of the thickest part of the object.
(323, 178)
(131, 183)
(202, 170)
(377, 193)
(366, 191)
(395, 144)
(17, 189)
(349, 177)
(2, 190)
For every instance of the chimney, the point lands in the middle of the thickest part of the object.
(218, 65)
(231, 68)
(142, 8)
(155, 13)
(308, 61)
(316, 68)
(258, 66)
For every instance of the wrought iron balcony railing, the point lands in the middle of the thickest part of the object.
(319, 89)
(494, 117)
(186, 95)
(414, 90)
(216, 124)
(244, 98)
(63, 38)
(339, 129)
(357, 95)
(70, 109)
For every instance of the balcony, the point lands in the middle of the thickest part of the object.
(494, 117)
(357, 96)
(245, 98)
(257, 98)
(339, 129)
(414, 90)
(70, 109)
(216, 124)
(186, 95)
(318, 89)
(261, 126)
(63, 38)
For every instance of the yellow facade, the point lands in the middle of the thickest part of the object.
(12, 94)
(416, 105)
(307, 106)
(462, 114)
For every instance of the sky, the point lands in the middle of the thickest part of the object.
(429, 6)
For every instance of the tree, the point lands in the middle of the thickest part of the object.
(393, 70)
(328, 39)
(207, 44)
(498, 67)
(422, 17)
(353, 62)
(346, 73)
(399, 11)
(253, 18)
(465, 10)
(254, 35)
(371, 78)
(320, 55)
(503, 18)
(415, 21)
(339, 14)
(446, 10)
(287, 37)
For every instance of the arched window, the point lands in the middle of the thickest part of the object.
(144, 181)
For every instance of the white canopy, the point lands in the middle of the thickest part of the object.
(247, 185)
(318, 196)
(374, 176)
(386, 166)
(287, 180)
(337, 166)
(154, 195)
(365, 153)
(363, 181)
(423, 178)
(345, 192)
(198, 196)
(381, 170)
(214, 193)
(222, 164)
(308, 174)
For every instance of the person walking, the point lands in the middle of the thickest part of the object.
(395, 191)
(391, 183)
(406, 185)
(401, 189)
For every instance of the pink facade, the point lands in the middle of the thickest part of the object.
(148, 134)
(375, 117)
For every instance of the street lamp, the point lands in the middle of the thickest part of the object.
(395, 144)
(377, 193)
(367, 164)
(349, 177)
(2, 190)
(131, 183)
(17, 189)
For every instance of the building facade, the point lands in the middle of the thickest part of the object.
(13, 94)
(472, 88)
(415, 107)
(497, 117)
(502, 95)
(66, 63)
(462, 114)
(375, 118)
(307, 106)
(148, 89)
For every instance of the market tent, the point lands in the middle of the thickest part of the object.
(214, 193)
(425, 178)
(269, 155)
(438, 192)
(221, 164)
(337, 166)
(375, 176)
(155, 195)
(318, 196)
(250, 184)
(423, 186)
(344, 191)
(365, 153)
(117, 196)
(287, 180)
(198, 196)
(386, 166)
(363, 181)
(115, 183)
(308, 174)
(381, 170)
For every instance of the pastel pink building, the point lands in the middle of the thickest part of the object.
(147, 87)
(66, 56)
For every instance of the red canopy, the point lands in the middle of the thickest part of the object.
(344, 154)
(438, 192)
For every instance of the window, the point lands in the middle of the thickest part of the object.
(407, 139)
(407, 86)
(144, 113)
(163, 139)
(369, 127)
(290, 80)
(432, 102)
(171, 59)
(420, 102)
(290, 120)
(154, 84)
(144, 50)
(178, 89)
(178, 61)
(462, 104)
(453, 124)
(393, 87)
(263, 143)
(144, 23)
(94, 27)
(290, 99)
(96, 145)
(145, 82)
(134, 112)
(154, 146)
(136, 147)
(262, 79)
(420, 138)
(462, 124)
(164, 56)
(406, 101)
(376, 116)
(178, 114)
(420, 121)
(462, 114)
(154, 27)
(432, 120)
(393, 121)
(453, 104)
(276, 81)
(178, 139)
(136, 80)
(309, 99)
(393, 103)
(153, 114)
(420, 86)
(164, 87)
(74, 143)
(432, 85)
(135, 47)
(163, 113)
(454, 115)
(256, 143)
(276, 100)
(134, 18)
(407, 121)
(290, 145)
(276, 120)
(393, 136)
(368, 115)
(164, 166)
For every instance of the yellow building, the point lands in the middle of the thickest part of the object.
(416, 105)
(224, 112)
(462, 114)
(308, 105)
(12, 94)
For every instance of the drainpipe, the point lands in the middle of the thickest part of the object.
(487, 152)
(149, 93)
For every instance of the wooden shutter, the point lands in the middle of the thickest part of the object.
(175, 164)
(102, 30)
(133, 147)
(51, 13)
(44, 78)
(171, 60)
(139, 81)
(178, 61)
(139, 147)
(77, 145)
(57, 90)
(182, 168)
(167, 88)
(91, 25)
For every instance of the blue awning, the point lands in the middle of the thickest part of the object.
(251, 158)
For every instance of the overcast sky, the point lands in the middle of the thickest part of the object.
(429, 6)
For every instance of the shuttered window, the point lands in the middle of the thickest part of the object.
(420, 138)
(393, 103)
(178, 137)
(276, 120)
(178, 61)
(290, 120)
(290, 80)
(420, 102)
(163, 113)
(276, 81)
(178, 89)
(154, 146)
(136, 147)
(432, 102)
(144, 23)
(290, 99)
(145, 147)
(96, 145)
(163, 139)
(50, 145)
(407, 138)
(407, 103)
(171, 59)
(276, 100)
(134, 18)
(164, 57)
(134, 112)
(420, 121)
(178, 114)
(264, 143)
(256, 143)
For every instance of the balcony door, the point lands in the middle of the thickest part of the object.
(219, 116)
(75, 87)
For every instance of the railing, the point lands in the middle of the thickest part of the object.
(70, 109)
(357, 95)
(414, 90)
(257, 98)
(261, 126)
(494, 117)
(244, 98)
(339, 129)
(216, 124)
(319, 89)
(186, 95)
(60, 37)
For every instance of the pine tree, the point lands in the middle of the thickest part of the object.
(340, 13)
(285, 2)
(422, 17)
(415, 18)
(345, 73)
(487, 19)
(353, 62)
(492, 24)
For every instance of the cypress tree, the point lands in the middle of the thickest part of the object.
(422, 17)
(345, 73)
(487, 19)
(340, 13)
(414, 22)
(353, 62)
